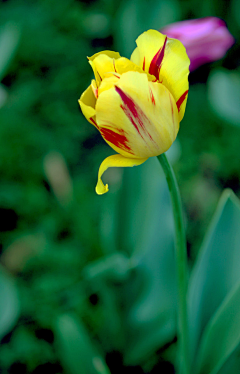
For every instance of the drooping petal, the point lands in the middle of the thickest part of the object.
(87, 103)
(115, 161)
(166, 59)
(137, 118)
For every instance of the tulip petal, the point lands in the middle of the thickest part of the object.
(87, 103)
(124, 65)
(94, 88)
(108, 83)
(102, 63)
(115, 161)
(166, 59)
(110, 54)
(137, 118)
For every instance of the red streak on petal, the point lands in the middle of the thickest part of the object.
(151, 96)
(129, 115)
(95, 91)
(156, 62)
(94, 122)
(118, 139)
(114, 65)
(99, 75)
(144, 63)
(181, 100)
(133, 112)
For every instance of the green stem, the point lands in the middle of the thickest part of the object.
(181, 259)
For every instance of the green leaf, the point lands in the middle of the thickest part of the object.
(216, 271)
(221, 337)
(150, 293)
(224, 94)
(9, 39)
(141, 227)
(232, 364)
(76, 349)
(9, 303)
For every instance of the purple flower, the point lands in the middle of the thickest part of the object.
(206, 39)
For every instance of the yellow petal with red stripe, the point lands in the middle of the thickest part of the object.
(137, 118)
(115, 161)
(167, 60)
(87, 103)
(94, 88)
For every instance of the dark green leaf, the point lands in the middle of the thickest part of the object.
(221, 337)
(150, 293)
(216, 271)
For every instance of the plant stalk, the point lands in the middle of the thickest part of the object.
(181, 261)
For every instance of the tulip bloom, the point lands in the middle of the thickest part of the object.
(137, 104)
(205, 39)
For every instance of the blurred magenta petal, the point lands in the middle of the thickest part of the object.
(206, 39)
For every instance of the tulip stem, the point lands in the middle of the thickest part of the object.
(181, 260)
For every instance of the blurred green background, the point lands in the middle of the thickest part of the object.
(68, 280)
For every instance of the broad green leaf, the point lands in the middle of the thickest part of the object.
(150, 293)
(144, 190)
(9, 38)
(224, 94)
(216, 271)
(221, 337)
(76, 349)
(9, 303)
(141, 226)
(232, 365)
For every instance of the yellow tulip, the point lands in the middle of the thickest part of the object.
(137, 104)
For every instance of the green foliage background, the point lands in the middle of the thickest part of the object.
(48, 245)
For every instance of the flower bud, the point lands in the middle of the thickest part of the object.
(137, 104)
